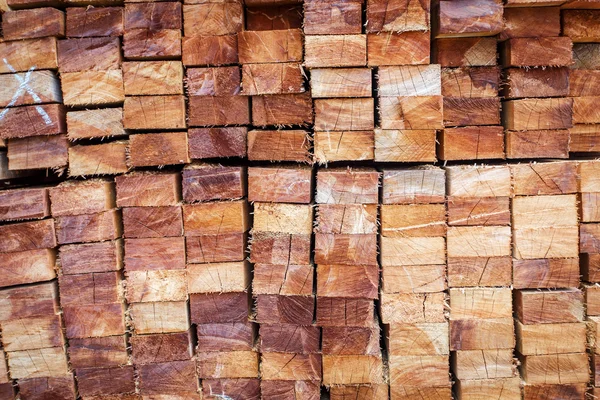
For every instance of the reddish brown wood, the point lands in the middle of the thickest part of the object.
(531, 22)
(279, 145)
(543, 51)
(100, 352)
(88, 22)
(460, 111)
(34, 23)
(469, 18)
(153, 16)
(22, 54)
(219, 307)
(280, 248)
(20, 204)
(536, 82)
(236, 336)
(275, 309)
(88, 227)
(91, 288)
(279, 185)
(407, 48)
(222, 18)
(82, 197)
(218, 110)
(91, 257)
(94, 320)
(58, 388)
(27, 121)
(217, 142)
(139, 44)
(27, 236)
(159, 149)
(329, 17)
(465, 52)
(37, 300)
(148, 222)
(282, 390)
(282, 109)
(351, 340)
(92, 381)
(270, 46)
(204, 182)
(213, 81)
(246, 389)
(273, 17)
(216, 247)
(169, 378)
(344, 312)
(209, 50)
(286, 338)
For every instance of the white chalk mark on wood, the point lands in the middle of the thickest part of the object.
(24, 87)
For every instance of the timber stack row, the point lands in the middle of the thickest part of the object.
(287, 199)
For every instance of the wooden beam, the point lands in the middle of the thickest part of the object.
(89, 54)
(34, 23)
(407, 48)
(91, 22)
(149, 149)
(390, 16)
(225, 18)
(92, 88)
(154, 112)
(332, 17)
(98, 159)
(535, 114)
(278, 46)
(335, 51)
(145, 222)
(91, 124)
(153, 78)
(465, 52)
(468, 18)
(209, 50)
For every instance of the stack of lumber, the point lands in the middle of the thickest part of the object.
(536, 113)
(92, 86)
(33, 124)
(546, 276)
(413, 301)
(583, 27)
(32, 337)
(155, 285)
(465, 47)
(479, 273)
(216, 222)
(289, 341)
(88, 228)
(284, 199)
(589, 242)
(347, 280)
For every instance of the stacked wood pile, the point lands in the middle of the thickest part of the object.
(299, 199)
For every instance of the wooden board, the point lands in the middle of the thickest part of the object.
(92, 88)
(335, 51)
(537, 52)
(92, 124)
(158, 149)
(407, 48)
(34, 23)
(391, 16)
(89, 54)
(468, 18)
(154, 112)
(90, 22)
